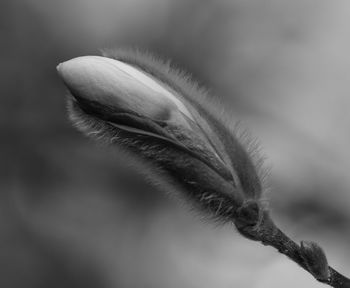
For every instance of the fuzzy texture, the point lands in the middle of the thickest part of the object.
(219, 207)
(247, 149)
(242, 149)
(315, 259)
(215, 164)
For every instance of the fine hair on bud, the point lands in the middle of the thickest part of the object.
(184, 133)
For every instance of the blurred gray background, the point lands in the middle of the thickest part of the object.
(71, 214)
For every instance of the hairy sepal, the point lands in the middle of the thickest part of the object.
(212, 164)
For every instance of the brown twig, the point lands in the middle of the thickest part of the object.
(308, 255)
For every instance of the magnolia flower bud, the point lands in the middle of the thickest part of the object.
(146, 107)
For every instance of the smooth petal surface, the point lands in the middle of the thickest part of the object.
(117, 84)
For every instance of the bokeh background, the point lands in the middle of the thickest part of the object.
(72, 215)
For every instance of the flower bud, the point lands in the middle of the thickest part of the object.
(143, 105)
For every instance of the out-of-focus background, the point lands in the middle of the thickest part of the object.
(72, 215)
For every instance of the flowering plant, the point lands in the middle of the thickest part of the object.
(158, 115)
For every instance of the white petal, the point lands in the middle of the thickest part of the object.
(112, 82)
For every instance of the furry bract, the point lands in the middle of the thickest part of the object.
(163, 117)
